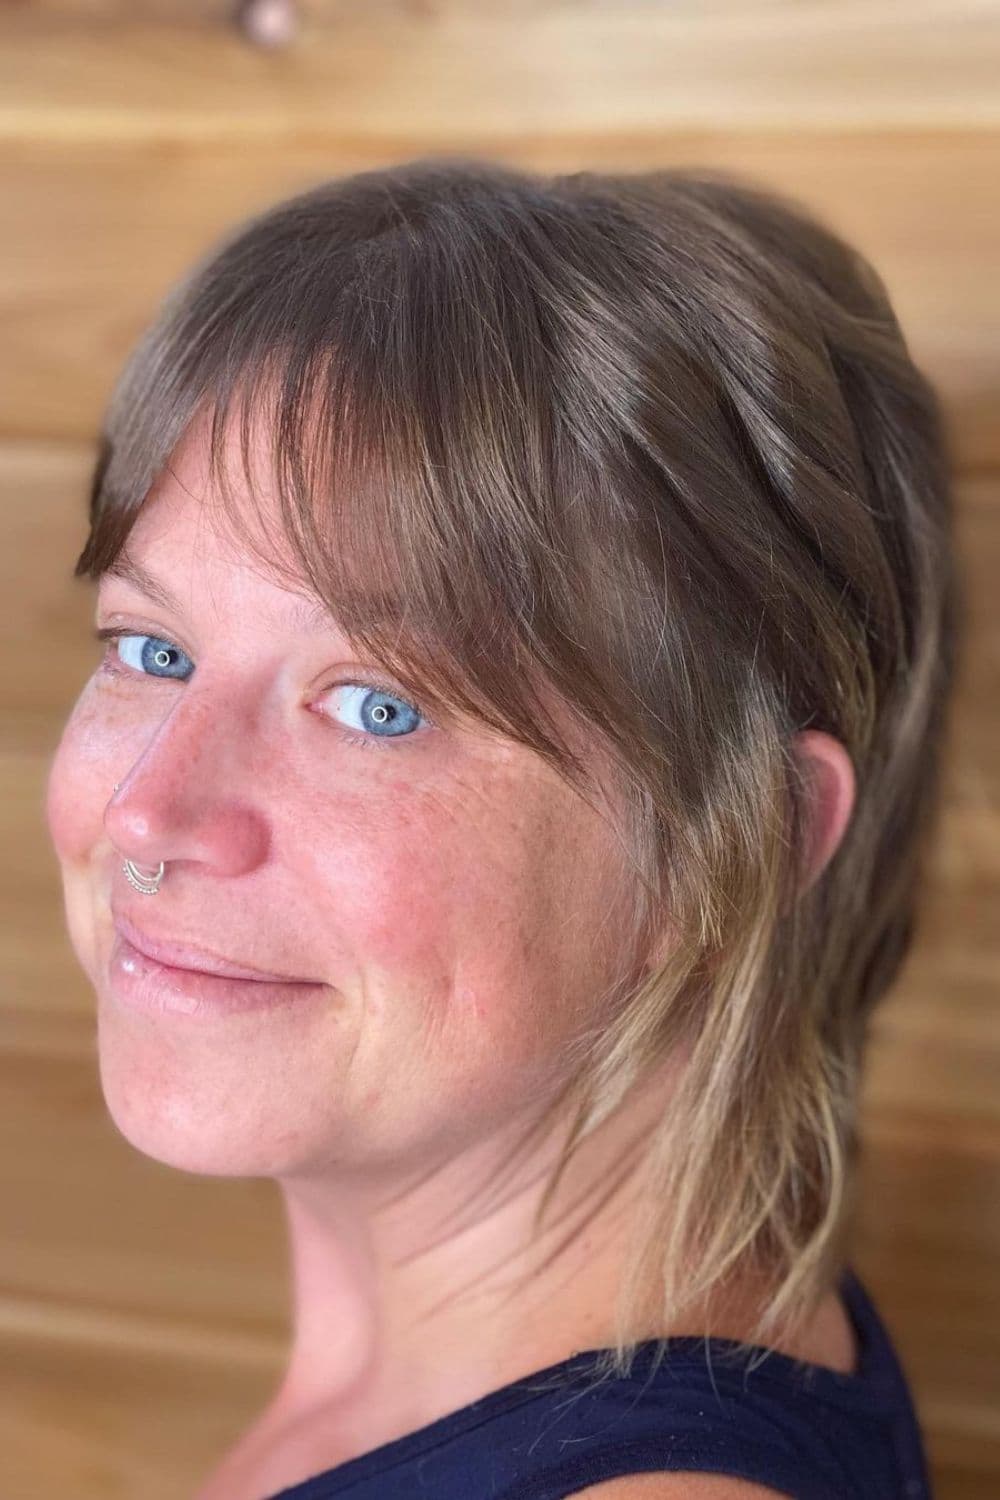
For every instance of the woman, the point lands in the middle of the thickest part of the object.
(611, 515)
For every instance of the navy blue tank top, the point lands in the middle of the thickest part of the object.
(805, 1430)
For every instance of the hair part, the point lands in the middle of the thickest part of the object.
(648, 451)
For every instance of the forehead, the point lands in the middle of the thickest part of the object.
(305, 612)
(182, 530)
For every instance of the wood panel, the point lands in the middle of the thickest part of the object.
(98, 1422)
(423, 72)
(143, 1315)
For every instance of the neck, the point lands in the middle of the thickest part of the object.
(413, 1299)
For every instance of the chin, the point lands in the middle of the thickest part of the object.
(195, 1118)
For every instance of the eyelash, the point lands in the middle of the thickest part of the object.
(113, 664)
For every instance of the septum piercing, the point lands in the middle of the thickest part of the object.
(147, 884)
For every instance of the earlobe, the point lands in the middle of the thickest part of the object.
(829, 773)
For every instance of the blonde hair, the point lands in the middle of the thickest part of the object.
(653, 444)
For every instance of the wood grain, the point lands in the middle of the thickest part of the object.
(138, 1304)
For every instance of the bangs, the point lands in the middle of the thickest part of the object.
(403, 390)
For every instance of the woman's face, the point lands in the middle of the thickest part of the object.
(459, 906)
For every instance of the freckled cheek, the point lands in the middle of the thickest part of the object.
(391, 896)
(402, 900)
(439, 945)
(448, 1009)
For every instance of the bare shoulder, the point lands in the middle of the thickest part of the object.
(679, 1486)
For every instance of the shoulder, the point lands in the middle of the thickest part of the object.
(678, 1486)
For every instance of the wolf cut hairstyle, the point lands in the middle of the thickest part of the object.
(650, 449)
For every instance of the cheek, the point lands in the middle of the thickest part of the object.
(387, 877)
(417, 885)
(454, 920)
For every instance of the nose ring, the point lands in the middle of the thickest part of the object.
(147, 884)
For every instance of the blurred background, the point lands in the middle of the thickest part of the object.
(143, 1312)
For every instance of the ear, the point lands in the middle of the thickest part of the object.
(829, 773)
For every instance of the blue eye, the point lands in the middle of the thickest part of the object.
(153, 657)
(381, 715)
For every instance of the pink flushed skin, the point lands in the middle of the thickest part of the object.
(458, 901)
(142, 984)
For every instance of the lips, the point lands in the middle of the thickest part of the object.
(199, 960)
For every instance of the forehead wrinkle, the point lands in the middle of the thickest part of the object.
(309, 614)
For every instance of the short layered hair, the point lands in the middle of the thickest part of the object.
(651, 445)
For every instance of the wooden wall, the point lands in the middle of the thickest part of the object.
(142, 1311)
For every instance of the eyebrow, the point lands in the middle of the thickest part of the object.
(309, 614)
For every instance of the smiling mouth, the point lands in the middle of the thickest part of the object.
(191, 959)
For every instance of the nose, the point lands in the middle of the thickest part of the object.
(190, 795)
